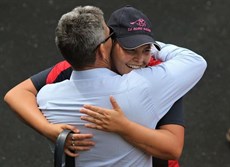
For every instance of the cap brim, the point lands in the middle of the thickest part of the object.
(135, 41)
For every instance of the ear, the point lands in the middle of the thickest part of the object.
(101, 52)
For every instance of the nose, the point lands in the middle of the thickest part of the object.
(139, 58)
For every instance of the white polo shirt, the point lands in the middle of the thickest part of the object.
(144, 95)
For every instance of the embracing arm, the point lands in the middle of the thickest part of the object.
(166, 143)
(22, 100)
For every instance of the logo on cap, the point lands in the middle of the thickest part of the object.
(139, 22)
(140, 26)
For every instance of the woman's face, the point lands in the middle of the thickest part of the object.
(125, 60)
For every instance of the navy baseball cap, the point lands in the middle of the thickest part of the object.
(132, 28)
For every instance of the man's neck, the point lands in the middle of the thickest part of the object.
(99, 63)
(93, 66)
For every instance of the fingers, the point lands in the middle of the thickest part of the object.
(95, 109)
(97, 123)
(95, 126)
(72, 128)
(78, 142)
(71, 153)
(80, 136)
(114, 103)
(98, 112)
(94, 116)
(80, 146)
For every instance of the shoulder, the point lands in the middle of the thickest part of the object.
(174, 116)
(59, 72)
(53, 89)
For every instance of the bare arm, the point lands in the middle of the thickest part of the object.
(22, 100)
(165, 143)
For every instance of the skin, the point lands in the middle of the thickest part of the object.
(27, 109)
(126, 60)
(22, 100)
(114, 120)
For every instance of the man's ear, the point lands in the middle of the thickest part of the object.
(101, 51)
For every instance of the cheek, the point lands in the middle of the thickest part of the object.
(121, 58)
(147, 59)
(120, 65)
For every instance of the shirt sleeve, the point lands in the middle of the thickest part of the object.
(60, 72)
(176, 113)
(174, 116)
(178, 73)
(39, 79)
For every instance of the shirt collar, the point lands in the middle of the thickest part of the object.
(92, 73)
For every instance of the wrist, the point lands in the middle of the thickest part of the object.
(50, 132)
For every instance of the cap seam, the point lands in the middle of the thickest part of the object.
(122, 36)
(120, 21)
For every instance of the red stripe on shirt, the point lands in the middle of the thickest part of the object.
(153, 62)
(56, 71)
(173, 163)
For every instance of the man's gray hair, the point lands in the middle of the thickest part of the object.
(78, 33)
